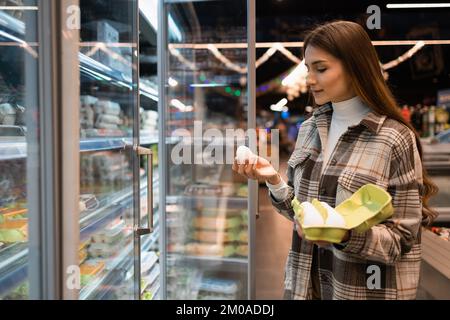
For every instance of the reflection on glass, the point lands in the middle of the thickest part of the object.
(107, 106)
(18, 96)
(206, 207)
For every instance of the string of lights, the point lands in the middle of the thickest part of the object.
(295, 80)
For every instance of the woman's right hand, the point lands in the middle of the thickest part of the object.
(258, 169)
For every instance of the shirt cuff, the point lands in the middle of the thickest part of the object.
(279, 191)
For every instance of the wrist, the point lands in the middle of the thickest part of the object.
(276, 179)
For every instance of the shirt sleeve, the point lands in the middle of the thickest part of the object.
(283, 204)
(279, 191)
(388, 241)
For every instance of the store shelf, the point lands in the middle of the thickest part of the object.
(118, 263)
(88, 290)
(211, 259)
(18, 149)
(209, 201)
(12, 150)
(102, 216)
(444, 215)
(13, 269)
(151, 278)
(88, 66)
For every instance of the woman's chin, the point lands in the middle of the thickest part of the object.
(320, 102)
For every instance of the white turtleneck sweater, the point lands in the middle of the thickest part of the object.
(345, 114)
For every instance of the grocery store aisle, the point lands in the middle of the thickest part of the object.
(273, 239)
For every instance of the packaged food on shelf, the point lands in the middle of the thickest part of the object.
(83, 251)
(242, 250)
(213, 250)
(107, 250)
(87, 114)
(107, 107)
(89, 270)
(7, 114)
(108, 119)
(21, 292)
(199, 189)
(151, 293)
(14, 231)
(217, 236)
(242, 191)
(14, 214)
(149, 279)
(442, 232)
(108, 34)
(243, 236)
(148, 261)
(216, 223)
(12, 236)
(88, 202)
(82, 256)
(112, 233)
(222, 286)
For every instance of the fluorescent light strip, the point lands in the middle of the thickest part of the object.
(416, 5)
(205, 46)
(199, 85)
(108, 44)
(13, 8)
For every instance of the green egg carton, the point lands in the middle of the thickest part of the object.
(367, 207)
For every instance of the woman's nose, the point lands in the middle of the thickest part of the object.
(310, 80)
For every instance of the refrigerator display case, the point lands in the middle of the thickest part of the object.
(97, 183)
(205, 83)
(19, 147)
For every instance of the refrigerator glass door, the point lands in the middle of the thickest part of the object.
(205, 102)
(19, 146)
(108, 102)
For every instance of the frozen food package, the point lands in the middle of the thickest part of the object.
(105, 250)
(20, 115)
(219, 236)
(217, 223)
(14, 230)
(86, 117)
(7, 114)
(90, 269)
(225, 286)
(112, 233)
(88, 100)
(103, 125)
(107, 107)
(106, 32)
(108, 119)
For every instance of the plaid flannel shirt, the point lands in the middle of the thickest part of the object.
(378, 150)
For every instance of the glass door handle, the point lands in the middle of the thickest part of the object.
(141, 151)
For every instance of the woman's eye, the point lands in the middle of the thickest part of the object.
(321, 70)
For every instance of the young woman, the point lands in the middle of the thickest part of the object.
(355, 136)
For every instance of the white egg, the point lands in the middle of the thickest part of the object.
(311, 217)
(334, 218)
(242, 154)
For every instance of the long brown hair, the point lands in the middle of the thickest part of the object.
(349, 42)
